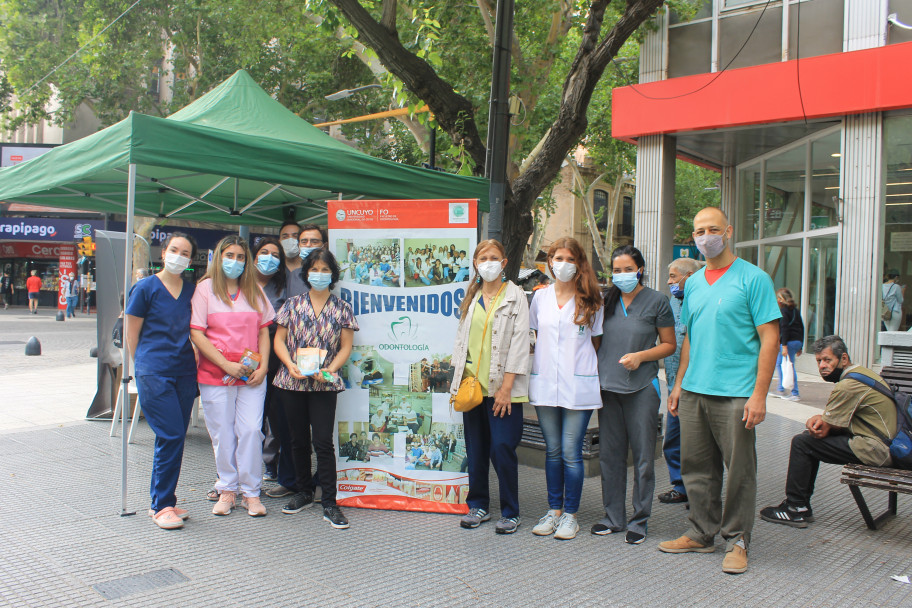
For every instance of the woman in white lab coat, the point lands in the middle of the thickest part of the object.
(564, 384)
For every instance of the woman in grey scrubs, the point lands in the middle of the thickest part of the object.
(635, 317)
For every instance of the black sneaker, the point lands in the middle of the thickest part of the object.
(634, 538)
(788, 514)
(672, 496)
(603, 530)
(298, 503)
(335, 518)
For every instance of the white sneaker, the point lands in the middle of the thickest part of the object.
(546, 524)
(567, 527)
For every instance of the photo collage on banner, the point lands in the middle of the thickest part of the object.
(405, 270)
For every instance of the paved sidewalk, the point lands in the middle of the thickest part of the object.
(62, 533)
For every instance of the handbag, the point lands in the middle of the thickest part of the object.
(788, 374)
(468, 396)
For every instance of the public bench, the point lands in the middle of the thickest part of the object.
(893, 481)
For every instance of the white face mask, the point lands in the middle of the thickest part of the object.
(290, 246)
(175, 263)
(489, 271)
(563, 271)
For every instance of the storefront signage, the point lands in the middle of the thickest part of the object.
(46, 229)
(32, 251)
(901, 241)
(13, 155)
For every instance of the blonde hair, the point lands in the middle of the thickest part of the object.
(247, 281)
(474, 286)
(785, 294)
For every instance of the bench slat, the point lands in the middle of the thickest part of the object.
(878, 486)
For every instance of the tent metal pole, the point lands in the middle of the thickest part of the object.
(125, 377)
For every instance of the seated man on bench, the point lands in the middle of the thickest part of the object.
(852, 429)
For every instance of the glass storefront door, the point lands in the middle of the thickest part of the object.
(820, 311)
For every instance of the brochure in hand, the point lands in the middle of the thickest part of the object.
(250, 360)
(310, 360)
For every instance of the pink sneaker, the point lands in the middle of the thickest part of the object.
(184, 514)
(253, 505)
(167, 519)
(226, 502)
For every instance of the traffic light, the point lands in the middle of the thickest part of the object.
(86, 247)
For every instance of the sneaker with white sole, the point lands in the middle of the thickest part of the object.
(474, 518)
(547, 524)
(567, 527)
(788, 514)
(254, 506)
(334, 516)
(601, 529)
(184, 514)
(226, 502)
(507, 525)
(167, 519)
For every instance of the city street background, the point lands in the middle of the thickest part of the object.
(63, 534)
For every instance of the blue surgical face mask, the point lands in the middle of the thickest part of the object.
(319, 280)
(267, 264)
(677, 291)
(305, 251)
(232, 268)
(625, 281)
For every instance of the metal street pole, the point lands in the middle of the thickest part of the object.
(499, 118)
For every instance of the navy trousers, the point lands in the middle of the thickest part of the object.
(493, 440)
(167, 402)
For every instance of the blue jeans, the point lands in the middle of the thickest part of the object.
(462, 275)
(71, 305)
(166, 403)
(564, 431)
(489, 440)
(793, 347)
(672, 450)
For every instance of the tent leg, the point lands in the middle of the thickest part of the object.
(124, 391)
(117, 410)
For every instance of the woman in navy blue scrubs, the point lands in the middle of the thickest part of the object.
(157, 334)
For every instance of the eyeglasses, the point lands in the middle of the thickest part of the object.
(316, 242)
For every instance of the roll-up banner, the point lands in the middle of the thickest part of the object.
(405, 269)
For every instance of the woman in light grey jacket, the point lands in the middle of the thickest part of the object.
(497, 353)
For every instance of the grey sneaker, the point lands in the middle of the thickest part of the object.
(278, 491)
(567, 527)
(507, 525)
(474, 518)
(546, 524)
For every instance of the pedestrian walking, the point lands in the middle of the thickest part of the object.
(316, 319)
(33, 287)
(71, 293)
(492, 345)
(720, 391)
(791, 339)
(635, 317)
(157, 334)
(231, 315)
(567, 319)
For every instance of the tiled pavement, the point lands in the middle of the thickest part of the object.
(61, 533)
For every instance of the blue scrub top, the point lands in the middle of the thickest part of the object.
(722, 321)
(164, 347)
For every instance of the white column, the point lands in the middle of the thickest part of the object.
(654, 213)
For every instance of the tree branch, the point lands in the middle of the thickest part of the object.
(453, 112)
(388, 18)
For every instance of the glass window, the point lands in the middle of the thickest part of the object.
(897, 232)
(785, 184)
(820, 313)
(749, 254)
(825, 160)
(627, 217)
(600, 208)
(783, 263)
(749, 204)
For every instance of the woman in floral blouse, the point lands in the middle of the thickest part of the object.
(322, 320)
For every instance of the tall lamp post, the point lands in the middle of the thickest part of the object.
(499, 118)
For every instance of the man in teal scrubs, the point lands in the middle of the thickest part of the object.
(727, 363)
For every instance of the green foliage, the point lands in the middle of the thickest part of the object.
(695, 188)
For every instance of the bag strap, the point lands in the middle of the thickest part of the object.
(877, 386)
(487, 318)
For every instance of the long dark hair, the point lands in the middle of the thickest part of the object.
(278, 279)
(614, 294)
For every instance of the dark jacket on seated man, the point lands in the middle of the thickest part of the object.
(852, 429)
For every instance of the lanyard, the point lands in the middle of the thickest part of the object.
(624, 308)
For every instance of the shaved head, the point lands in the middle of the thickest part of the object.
(711, 214)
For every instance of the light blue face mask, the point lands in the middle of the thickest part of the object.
(625, 281)
(267, 264)
(305, 251)
(232, 268)
(319, 280)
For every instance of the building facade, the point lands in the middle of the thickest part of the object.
(804, 108)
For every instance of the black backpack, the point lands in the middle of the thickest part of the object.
(901, 444)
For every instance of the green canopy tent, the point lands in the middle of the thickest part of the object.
(234, 156)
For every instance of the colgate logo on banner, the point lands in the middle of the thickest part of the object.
(352, 487)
